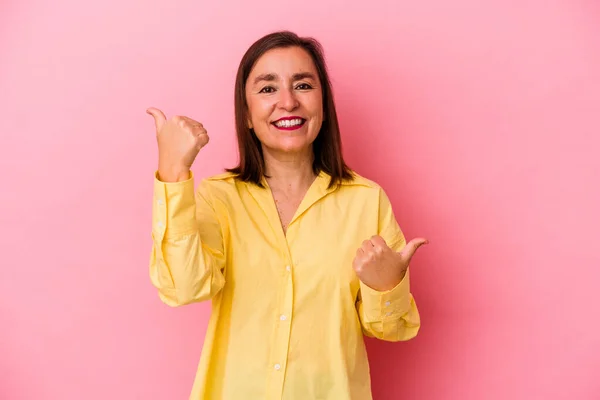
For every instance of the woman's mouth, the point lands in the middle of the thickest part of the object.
(289, 124)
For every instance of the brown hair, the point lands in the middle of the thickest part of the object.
(327, 146)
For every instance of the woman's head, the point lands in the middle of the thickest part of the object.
(284, 104)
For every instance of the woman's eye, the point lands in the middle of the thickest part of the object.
(267, 89)
(304, 86)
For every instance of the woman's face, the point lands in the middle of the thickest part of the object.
(285, 104)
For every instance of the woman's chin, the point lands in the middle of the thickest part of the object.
(291, 146)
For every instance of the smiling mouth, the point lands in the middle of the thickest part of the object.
(289, 124)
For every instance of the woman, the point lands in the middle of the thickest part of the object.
(299, 255)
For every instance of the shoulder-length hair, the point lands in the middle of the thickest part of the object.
(327, 147)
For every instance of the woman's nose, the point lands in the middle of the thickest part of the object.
(288, 100)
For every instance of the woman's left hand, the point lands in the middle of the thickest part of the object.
(380, 267)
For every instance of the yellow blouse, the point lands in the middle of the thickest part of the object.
(288, 311)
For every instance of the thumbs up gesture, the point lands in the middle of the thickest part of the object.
(179, 141)
(380, 267)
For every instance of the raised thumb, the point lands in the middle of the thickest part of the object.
(411, 247)
(159, 117)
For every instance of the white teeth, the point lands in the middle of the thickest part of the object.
(288, 123)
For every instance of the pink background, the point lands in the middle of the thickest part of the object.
(480, 119)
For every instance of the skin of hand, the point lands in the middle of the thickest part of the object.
(380, 267)
(179, 140)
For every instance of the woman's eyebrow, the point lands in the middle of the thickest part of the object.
(270, 77)
(303, 75)
(265, 77)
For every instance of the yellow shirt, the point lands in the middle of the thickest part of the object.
(288, 311)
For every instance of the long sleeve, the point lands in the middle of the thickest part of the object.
(187, 258)
(391, 315)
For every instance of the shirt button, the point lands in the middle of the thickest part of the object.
(388, 314)
(160, 202)
(283, 317)
(387, 303)
(160, 224)
(277, 367)
(288, 268)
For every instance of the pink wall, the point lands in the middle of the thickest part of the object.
(481, 121)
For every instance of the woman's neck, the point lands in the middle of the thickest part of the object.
(289, 172)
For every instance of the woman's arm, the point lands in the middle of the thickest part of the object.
(187, 259)
(388, 312)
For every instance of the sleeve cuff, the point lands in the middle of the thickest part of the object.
(174, 207)
(388, 305)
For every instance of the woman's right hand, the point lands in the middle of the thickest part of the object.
(179, 141)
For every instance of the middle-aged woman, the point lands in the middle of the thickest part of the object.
(299, 254)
